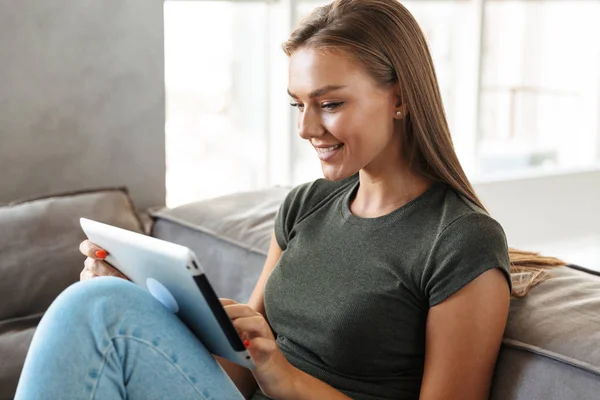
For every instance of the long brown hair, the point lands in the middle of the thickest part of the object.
(384, 37)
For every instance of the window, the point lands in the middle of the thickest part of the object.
(520, 82)
(217, 67)
(540, 92)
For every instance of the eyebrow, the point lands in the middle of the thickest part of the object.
(320, 91)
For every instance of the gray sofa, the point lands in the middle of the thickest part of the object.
(551, 348)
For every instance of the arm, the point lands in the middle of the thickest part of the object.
(242, 377)
(463, 337)
(307, 387)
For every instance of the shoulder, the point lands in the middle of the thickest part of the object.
(464, 224)
(468, 242)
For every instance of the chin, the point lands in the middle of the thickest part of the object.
(336, 173)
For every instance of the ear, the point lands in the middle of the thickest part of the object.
(398, 99)
(401, 110)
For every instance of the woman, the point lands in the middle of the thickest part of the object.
(386, 280)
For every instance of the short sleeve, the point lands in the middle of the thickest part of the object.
(468, 247)
(287, 215)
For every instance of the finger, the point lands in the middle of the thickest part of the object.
(86, 275)
(119, 274)
(89, 249)
(89, 263)
(261, 350)
(226, 302)
(260, 344)
(255, 326)
(100, 268)
(108, 270)
(239, 310)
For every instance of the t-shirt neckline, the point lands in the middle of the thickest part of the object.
(392, 216)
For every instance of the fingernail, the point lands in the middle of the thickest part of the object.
(100, 254)
(247, 343)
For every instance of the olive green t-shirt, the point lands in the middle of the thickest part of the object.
(349, 297)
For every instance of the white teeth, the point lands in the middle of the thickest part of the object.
(328, 149)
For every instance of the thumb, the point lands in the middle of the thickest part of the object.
(261, 350)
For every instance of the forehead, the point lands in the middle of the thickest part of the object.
(310, 69)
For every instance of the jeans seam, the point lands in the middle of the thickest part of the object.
(150, 345)
(101, 369)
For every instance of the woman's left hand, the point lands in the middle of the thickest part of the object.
(274, 374)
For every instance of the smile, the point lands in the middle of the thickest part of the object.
(326, 153)
(328, 149)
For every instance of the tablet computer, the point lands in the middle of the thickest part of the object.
(172, 274)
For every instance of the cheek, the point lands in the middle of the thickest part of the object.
(365, 128)
(347, 126)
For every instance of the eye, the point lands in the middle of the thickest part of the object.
(297, 105)
(331, 106)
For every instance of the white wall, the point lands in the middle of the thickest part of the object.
(82, 97)
(558, 214)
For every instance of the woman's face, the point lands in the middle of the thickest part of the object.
(343, 113)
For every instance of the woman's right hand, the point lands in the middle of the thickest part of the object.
(94, 264)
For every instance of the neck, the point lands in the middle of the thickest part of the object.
(383, 191)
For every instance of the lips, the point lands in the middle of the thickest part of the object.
(327, 152)
(328, 149)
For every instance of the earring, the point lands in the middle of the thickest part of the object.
(398, 113)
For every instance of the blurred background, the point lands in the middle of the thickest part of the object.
(520, 80)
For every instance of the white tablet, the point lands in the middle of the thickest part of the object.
(173, 275)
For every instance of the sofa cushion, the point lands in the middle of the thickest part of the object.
(15, 337)
(551, 347)
(39, 245)
(40, 240)
(230, 236)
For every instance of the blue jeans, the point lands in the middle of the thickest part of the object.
(109, 339)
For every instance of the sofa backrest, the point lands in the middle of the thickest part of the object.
(551, 347)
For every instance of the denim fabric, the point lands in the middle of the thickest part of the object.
(109, 339)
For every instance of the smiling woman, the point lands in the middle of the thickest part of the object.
(395, 233)
(386, 280)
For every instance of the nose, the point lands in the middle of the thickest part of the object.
(309, 124)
